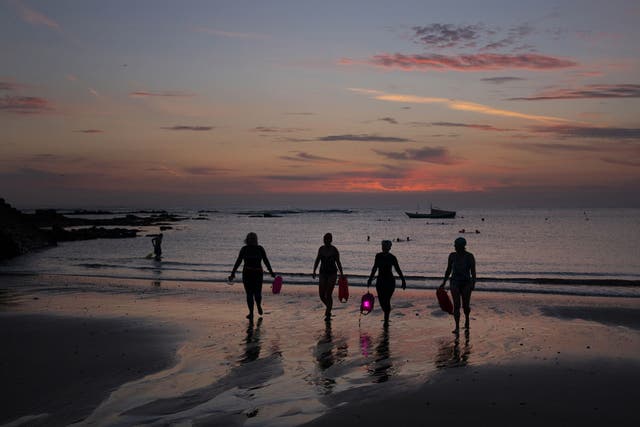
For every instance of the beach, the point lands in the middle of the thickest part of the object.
(105, 351)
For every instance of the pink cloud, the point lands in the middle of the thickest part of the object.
(89, 131)
(473, 62)
(34, 17)
(12, 86)
(588, 91)
(25, 105)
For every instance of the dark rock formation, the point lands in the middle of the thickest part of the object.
(20, 232)
(17, 234)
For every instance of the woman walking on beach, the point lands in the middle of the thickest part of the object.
(461, 266)
(253, 256)
(386, 283)
(329, 260)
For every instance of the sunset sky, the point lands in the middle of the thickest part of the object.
(334, 103)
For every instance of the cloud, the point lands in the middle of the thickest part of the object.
(621, 162)
(586, 92)
(34, 17)
(362, 138)
(501, 80)
(25, 105)
(232, 34)
(472, 126)
(89, 131)
(548, 147)
(471, 62)
(568, 131)
(447, 36)
(166, 93)
(269, 129)
(190, 128)
(94, 92)
(437, 155)
(306, 157)
(204, 170)
(12, 86)
(453, 105)
(301, 113)
(388, 120)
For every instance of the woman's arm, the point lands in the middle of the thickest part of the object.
(338, 263)
(266, 261)
(448, 272)
(397, 267)
(373, 271)
(237, 264)
(315, 264)
(473, 271)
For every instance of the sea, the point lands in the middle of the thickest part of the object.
(560, 251)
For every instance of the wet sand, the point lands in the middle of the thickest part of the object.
(543, 359)
(56, 369)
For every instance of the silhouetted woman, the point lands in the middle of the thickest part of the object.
(461, 266)
(253, 256)
(329, 260)
(157, 246)
(386, 283)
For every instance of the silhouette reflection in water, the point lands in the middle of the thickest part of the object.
(252, 342)
(328, 352)
(382, 367)
(450, 355)
(157, 272)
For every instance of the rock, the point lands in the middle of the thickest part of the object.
(17, 234)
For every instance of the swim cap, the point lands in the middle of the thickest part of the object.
(460, 242)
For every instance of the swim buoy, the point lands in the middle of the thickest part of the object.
(276, 286)
(343, 289)
(444, 300)
(366, 304)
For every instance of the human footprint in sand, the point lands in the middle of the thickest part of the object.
(386, 284)
(329, 260)
(253, 256)
(461, 266)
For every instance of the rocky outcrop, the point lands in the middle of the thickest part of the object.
(17, 234)
(21, 233)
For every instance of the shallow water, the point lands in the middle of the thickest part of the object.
(590, 252)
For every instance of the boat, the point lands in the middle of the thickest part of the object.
(435, 213)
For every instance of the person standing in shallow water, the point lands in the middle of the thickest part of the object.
(386, 283)
(253, 256)
(461, 266)
(329, 260)
(157, 246)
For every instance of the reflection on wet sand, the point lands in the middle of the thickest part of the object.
(450, 355)
(157, 271)
(382, 367)
(250, 374)
(327, 353)
(252, 342)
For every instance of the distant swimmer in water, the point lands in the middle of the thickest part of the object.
(329, 260)
(253, 256)
(384, 262)
(461, 266)
(157, 246)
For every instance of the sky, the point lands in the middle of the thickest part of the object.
(333, 103)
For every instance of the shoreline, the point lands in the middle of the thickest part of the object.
(289, 367)
(611, 287)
